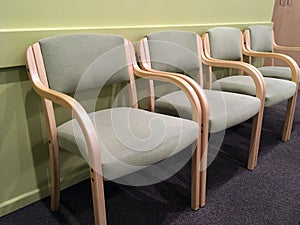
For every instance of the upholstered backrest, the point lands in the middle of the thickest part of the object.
(261, 38)
(174, 51)
(84, 61)
(225, 43)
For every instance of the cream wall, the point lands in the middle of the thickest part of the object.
(24, 174)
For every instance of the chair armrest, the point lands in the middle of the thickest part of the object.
(287, 59)
(166, 77)
(200, 107)
(179, 82)
(252, 71)
(70, 104)
(146, 66)
(286, 48)
(249, 69)
(196, 96)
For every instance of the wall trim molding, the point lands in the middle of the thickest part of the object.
(127, 27)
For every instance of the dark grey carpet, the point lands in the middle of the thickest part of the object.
(269, 195)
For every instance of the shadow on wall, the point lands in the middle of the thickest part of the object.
(17, 140)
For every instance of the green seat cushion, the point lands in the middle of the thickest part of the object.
(130, 139)
(226, 109)
(277, 90)
(276, 72)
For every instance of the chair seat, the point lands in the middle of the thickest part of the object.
(226, 109)
(277, 90)
(130, 139)
(276, 72)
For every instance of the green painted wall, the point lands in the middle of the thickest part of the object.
(24, 173)
(95, 13)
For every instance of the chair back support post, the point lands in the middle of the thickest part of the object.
(38, 78)
(144, 56)
(34, 54)
(132, 86)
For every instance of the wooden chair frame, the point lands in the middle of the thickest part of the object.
(290, 110)
(274, 44)
(144, 57)
(38, 78)
(260, 93)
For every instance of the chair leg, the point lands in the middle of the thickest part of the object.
(203, 181)
(98, 198)
(55, 176)
(195, 184)
(203, 164)
(255, 139)
(289, 117)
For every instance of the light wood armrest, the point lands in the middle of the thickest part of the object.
(179, 82)
(251, 70)
(203, 120)
(70, 104)
(174, 78)
(145, 65)
(287, 59)
(286, 48)
(166, 77)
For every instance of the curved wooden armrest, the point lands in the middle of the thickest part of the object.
(287, 59)
(179, 82)
(70, 104)
(248, 68)
(195, 86)
(286, 48)
(145, 65)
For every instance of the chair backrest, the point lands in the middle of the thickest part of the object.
(73, 61)
(79, 62)
(225, 43)
(261, 38)
(175, 51)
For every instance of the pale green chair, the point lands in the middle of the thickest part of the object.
(259, 39)
(116, 141)
(180, 53)
(226, 43)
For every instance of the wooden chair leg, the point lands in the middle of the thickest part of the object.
(255, 139)
(203, 185)
(55, 176)
(98, 198)
(203, 165)
(195, 184)
(289, 117)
